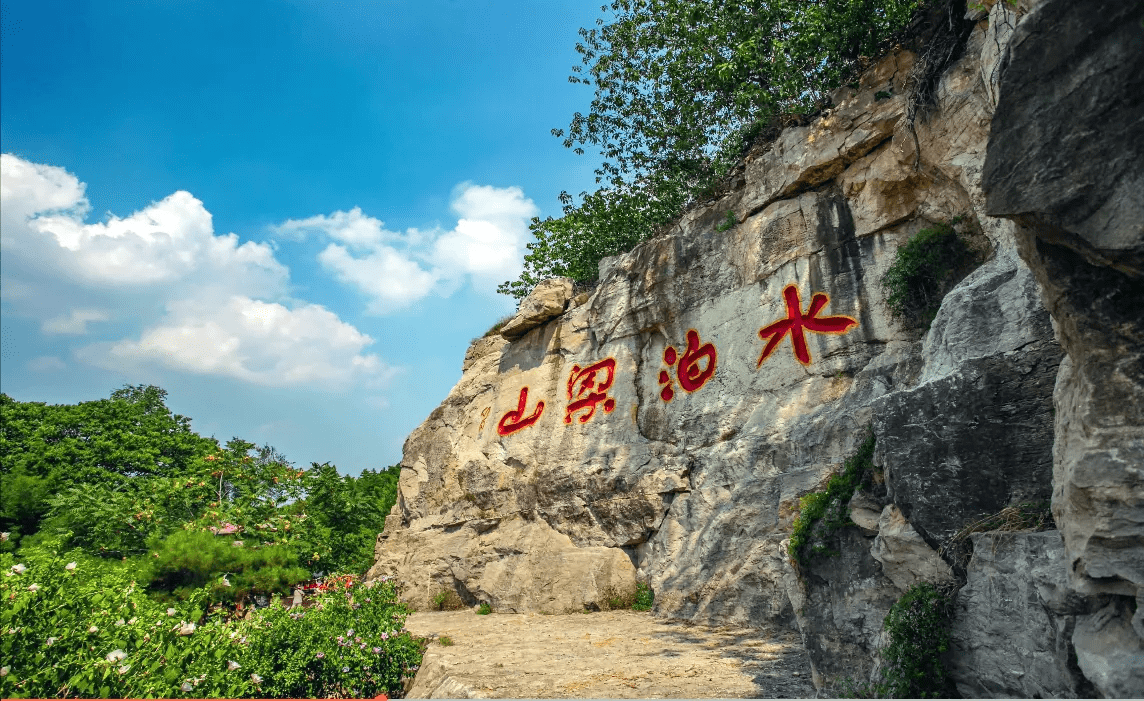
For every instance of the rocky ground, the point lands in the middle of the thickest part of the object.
(614, 654)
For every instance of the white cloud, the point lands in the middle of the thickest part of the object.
(170, 242)
(257, 342)
(46, 363)
(74, 323)
(390, 279)
(203, 303)
(352, 227)
(396, 269)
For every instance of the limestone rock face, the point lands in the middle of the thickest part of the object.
(841, 602)
(663, 427)
(1066, 162)
(1014, 621)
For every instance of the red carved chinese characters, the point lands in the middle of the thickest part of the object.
(689, 371)
(586, 390)
(796, 321)
(514, 421)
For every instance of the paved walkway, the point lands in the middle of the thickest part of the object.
(614, 654)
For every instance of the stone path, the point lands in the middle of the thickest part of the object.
(614, 654)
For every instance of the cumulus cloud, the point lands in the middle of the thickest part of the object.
(389, 278)
(253, 341)
(170, 242)
(396, 269)
(205, 303)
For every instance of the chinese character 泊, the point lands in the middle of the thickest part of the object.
(796, 321)
(689, 371)
(514, 421)
(586, 389)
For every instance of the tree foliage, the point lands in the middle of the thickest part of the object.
(682, 88)
(186, 510)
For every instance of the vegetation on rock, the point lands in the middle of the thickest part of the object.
(918, 629)
(924, 269)
(823, 513)
(682, 90)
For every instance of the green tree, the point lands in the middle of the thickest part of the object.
(682, 88)
(47, 449)
(348, 513)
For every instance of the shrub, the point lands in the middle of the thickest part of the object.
(189, 560)
(823, 513)
(351, 644)
(484, 609)
(923, 271)
(88, 630)
(645, 597)
(447, 600)
(918, 625)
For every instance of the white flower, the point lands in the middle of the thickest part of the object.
(4, 536)
(51, 641)
(13, 631)
(131, 621)
(225, 581)
(119, 622)
(233, 633)
(3, 671)
(170, 612)
(93, 629)
(116, 655)
(124, 668)
(231, 665)
(187, 686)
(186, 628)
(18, 568)
(70, 566)
(33, 587)
(255, 678)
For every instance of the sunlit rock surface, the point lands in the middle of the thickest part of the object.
(662, 427)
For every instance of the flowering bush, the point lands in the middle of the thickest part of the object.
(351, 644)
(90, 631)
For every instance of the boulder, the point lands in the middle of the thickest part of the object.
(906, 558)
(971, 443)
(1109, 651)
(548, 299)
(841, 603)
(1014, 618)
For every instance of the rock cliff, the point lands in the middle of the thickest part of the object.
(663, 426)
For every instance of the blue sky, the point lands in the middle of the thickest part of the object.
(292, 216)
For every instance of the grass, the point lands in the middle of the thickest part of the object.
(445, 640)
(1026, 516)
(638, 599)
(498, 326)
(484, 609)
